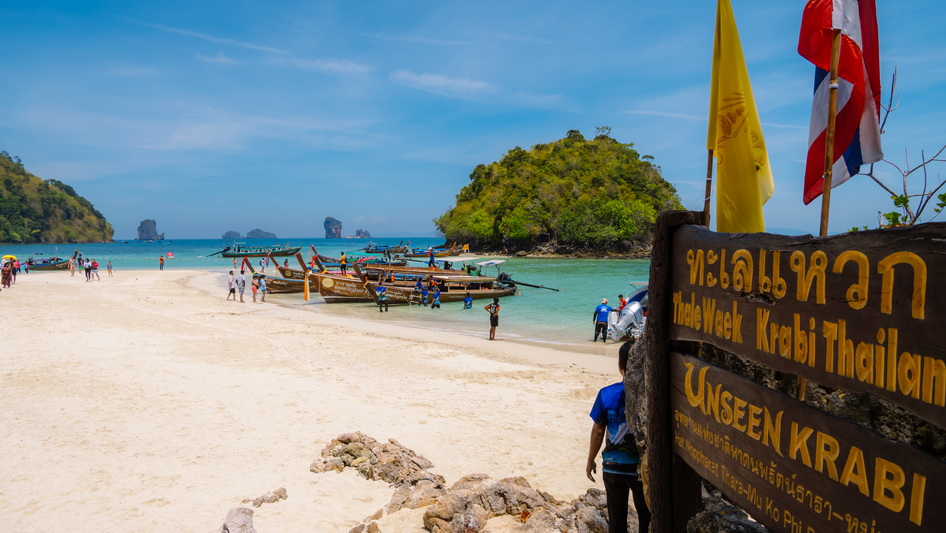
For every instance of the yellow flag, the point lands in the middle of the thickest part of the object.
(743, 175)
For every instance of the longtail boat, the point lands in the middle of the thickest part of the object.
(334, 288)
(454, 286)
(440, 251)
(240, 249)
(385, 249)
(351, 259)
(39, 262)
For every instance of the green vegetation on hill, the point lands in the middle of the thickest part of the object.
(574, 192)
(33, 210)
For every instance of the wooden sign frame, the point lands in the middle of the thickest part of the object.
(856, 311)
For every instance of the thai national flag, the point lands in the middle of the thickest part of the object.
(857, 126)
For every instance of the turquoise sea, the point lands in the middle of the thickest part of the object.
(560, 317)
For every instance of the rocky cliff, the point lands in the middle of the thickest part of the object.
(148, 231)
(333, 228)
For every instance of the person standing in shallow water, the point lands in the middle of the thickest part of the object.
(621, 459)
(493, 310)
(600, 319)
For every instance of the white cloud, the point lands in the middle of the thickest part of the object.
(335, 67)
(666, 114)
(218, 40)
(444, 85)
(219, 59)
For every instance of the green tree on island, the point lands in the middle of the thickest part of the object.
(584, 194)
(33, 210)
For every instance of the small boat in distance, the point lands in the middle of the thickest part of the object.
(386, 249)
(240, 249)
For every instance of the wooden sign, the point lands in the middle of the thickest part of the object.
(793, 467)
(864, 311)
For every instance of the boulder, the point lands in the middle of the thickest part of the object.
(239, 520)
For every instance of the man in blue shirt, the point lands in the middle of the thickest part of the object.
(382, 297)
(468, 301)
(600, 319)
(620, 459)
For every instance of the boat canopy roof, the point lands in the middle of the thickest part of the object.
(463, 279)
(457, 258)
(492, 262)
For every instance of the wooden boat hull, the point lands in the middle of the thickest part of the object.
(407, 295)
(59, 265)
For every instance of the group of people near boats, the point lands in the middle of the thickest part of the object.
(237, 285)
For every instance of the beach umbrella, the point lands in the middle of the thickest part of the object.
(10, 257)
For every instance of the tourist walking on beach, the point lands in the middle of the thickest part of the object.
(108, 268)
(600, 319)
(95, 270)
(493, 310)
(72, 266)
(241, 285)
(382, 297)
(231, 287)
(262, 289)
(6, 274)
(87, 266)
(255, 284)
(161, 263)
(621, 458)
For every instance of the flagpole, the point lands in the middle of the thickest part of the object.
(828, 157)
(829, 133)
(709, 187)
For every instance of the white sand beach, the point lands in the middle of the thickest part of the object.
(146, 402)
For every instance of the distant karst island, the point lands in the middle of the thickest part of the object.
(333, 230)
(252, 234)
(148, 231)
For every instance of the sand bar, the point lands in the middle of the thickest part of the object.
(146, 402)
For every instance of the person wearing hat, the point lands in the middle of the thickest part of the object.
(430, 254)
(600, 319)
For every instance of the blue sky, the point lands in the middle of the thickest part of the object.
(210, 116)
